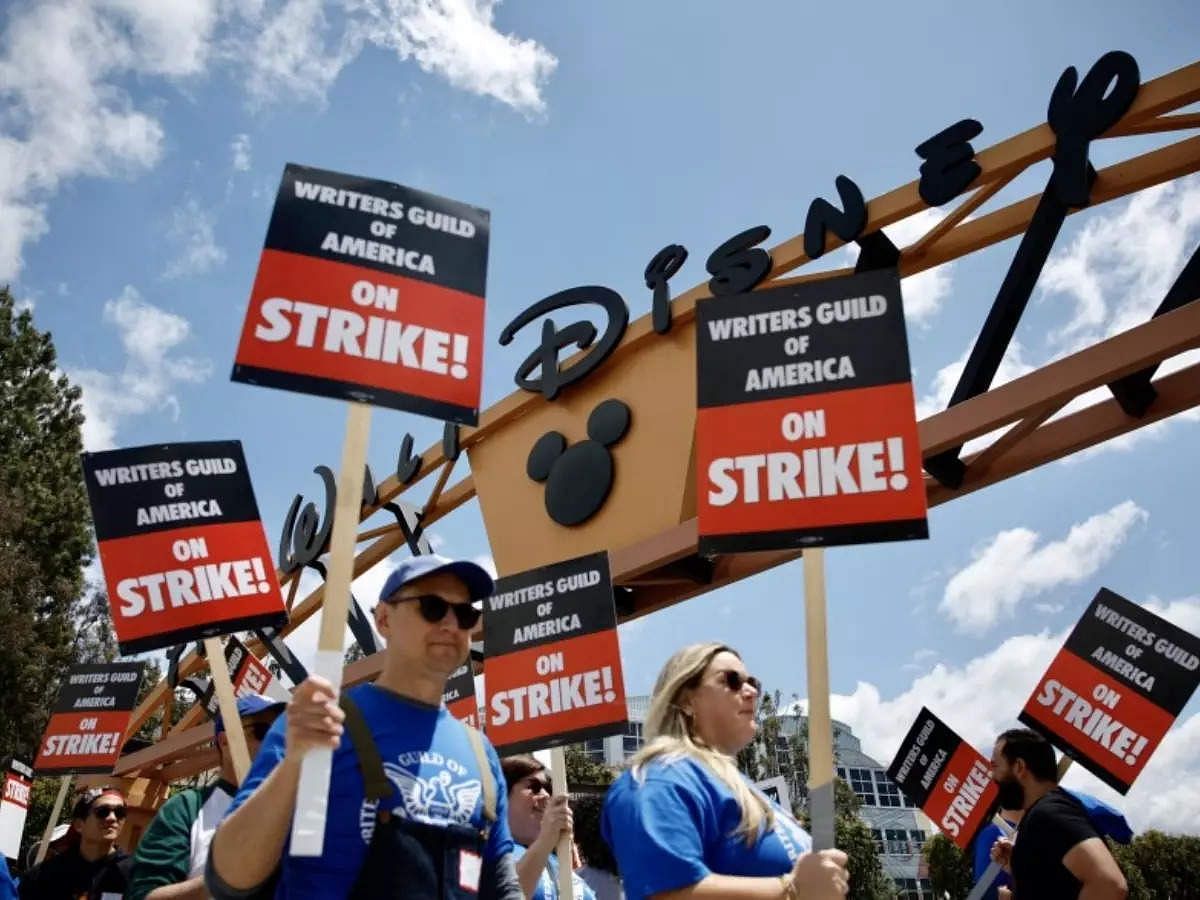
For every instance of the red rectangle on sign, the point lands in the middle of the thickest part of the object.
(16, 790)
(1110, 729)
(841, 467)
(82, 742)
(546, 695)
(465, 710)
(964, 797)
(336, 329)
(166, 587)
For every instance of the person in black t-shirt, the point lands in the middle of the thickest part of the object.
(92, 867)
(1057, 854)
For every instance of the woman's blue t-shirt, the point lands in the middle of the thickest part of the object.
(427, 756)
(675, 825)
(547, 886)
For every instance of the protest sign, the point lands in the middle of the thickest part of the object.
(946, 777)
(776, 790)
(1112, 692)
(87, 725)
(552, 660)
(14, 806)
(183, 550)
(459, 695)
(247, 675)
(371, 291)
(806, 431)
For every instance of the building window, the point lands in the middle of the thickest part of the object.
(631, 742)
(861, 783)
(917, 838)
(877, 837)
(896, 842)
(594, 750)
(912, 889)
(889, 794)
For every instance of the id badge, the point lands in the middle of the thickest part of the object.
(470, 868)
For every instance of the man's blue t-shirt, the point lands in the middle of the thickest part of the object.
(428, 758)
(988, 835)
(675, 826)
(547, 886)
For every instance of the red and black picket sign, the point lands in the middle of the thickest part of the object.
(1116, 687)
(459, 695)
(806, 431)
(181, 544)
(247, 674)
(369, 291)
(87, 725)
(14, 806)
(946, 777)
(552, 658)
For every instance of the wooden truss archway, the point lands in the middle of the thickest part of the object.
(665, 568)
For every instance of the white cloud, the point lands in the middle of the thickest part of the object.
(153, 367)
(192, 229)
(239, 148)
(64, 67)
(1012, 567)
(1013, 365)
(982, 698)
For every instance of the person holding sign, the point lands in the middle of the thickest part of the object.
(416, 801)
(169, 862)
(1057, 854)
(537, 821)
(93, 867)
(684, 822)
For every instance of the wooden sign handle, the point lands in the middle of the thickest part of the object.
(227, 704)
(53, 820)
(312, 794)
(820, 721)
(558, 779)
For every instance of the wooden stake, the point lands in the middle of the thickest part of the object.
(558, 779)
(312, 794)
(227, 704)
(53, 820)
(820, 721)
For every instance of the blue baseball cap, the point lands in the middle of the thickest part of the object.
(249, 705)
(479, 583)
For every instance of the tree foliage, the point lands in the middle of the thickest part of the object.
(45, 534)
(950, 871)
(1158, 865)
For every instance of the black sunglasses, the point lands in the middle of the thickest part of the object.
(734, 681)
(538, 785)
(433, 610)
(103, 812)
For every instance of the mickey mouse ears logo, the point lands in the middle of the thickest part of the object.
(578, 479)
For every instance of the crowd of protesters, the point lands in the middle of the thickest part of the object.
(420, 805)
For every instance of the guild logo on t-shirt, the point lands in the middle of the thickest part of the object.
(439, 799)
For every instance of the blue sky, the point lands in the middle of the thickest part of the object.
(142, 143)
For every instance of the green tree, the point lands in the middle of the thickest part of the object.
(1164, 865)
(45, 535)
(585, 772)
(950, 871)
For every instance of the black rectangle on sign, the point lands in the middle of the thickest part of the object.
(925, 751)
(804, 339)
(100, 687)
(139, 490)
(1143, 651)
(552, 603)
(460, 685)
(330, 215)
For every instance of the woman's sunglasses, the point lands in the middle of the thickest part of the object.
(103, 812)
(433, 610)
(734, 681)
(537, 786)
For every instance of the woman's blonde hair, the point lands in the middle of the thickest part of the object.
(670, 735)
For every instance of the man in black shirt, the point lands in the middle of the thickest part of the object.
(1057, 853)
(92, 867)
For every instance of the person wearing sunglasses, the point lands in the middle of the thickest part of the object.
(169, 862)
(92, 867)
(682, 821)
(417, 806)
(537, 821)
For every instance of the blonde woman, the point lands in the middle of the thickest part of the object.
(683, 822)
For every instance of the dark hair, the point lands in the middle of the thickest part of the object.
(518, 768)
(1035, 750)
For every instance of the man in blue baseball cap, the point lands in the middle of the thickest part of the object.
(417, 805)
(169, 863)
